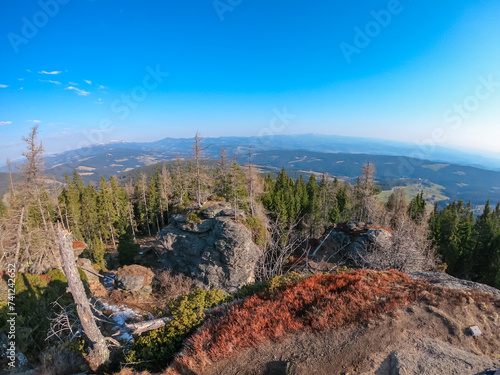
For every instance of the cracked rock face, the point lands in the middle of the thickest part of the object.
(217, 253)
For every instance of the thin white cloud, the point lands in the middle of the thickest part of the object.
(34, 121)
(89, 82)
(28, 70)
(103, 87)
(52, 72)
(80, 92)
(73, 83)
(21, 79)
(21, 88)
(99, 101)
(5, 122)
(4, 86)
(48, 80)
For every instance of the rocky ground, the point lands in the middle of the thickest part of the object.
(431, 336)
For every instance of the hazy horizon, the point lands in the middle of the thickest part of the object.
(90, 72)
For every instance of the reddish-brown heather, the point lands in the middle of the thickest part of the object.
(319, 302)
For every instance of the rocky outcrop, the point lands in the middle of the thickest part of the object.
(450, 282)
(217, 252)
(433, 357)
(351, 241)
(135, 278)
(89, 270)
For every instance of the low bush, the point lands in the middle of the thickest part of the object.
(193, 217)
(154, 350)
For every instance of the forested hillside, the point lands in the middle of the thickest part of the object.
(285, 216)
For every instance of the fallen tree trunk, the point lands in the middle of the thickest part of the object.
(149, 325)
(99, 350)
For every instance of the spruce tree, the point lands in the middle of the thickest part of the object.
(127, 248)
(106, 212)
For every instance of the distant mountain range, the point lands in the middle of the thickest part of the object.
(144, 153)
(460, 174)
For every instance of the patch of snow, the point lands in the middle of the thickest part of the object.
(120, 315)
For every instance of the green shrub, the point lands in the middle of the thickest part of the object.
(269, 285)
(97, 251)
(127, 248)
(259, 232)
(279, 281)
(193, 217)
(153, 350)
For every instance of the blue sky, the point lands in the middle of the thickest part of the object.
(94, 71)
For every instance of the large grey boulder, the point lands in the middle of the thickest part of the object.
(221, 256)
(135, 278)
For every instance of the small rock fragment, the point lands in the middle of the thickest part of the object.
(475, 331)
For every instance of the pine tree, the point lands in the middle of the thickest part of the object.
(127, 248)
(416, 208)
(72, 205)
(486, 254)
(153, 205)
(106, 212)
(89, 214)
(314, 208)
(165, 191)
(141, 191)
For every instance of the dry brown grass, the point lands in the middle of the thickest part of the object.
(169, 286)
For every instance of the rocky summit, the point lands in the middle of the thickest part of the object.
(217, 252)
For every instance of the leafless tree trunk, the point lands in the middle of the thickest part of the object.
(198, 150)
(99, 351)
(18, 240)
(9, 167)
(250, 182)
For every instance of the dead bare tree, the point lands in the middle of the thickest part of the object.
(282, 243)
(407, 249)
(99, 350)
(64, 325)
(9, 168)
(198, 154)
